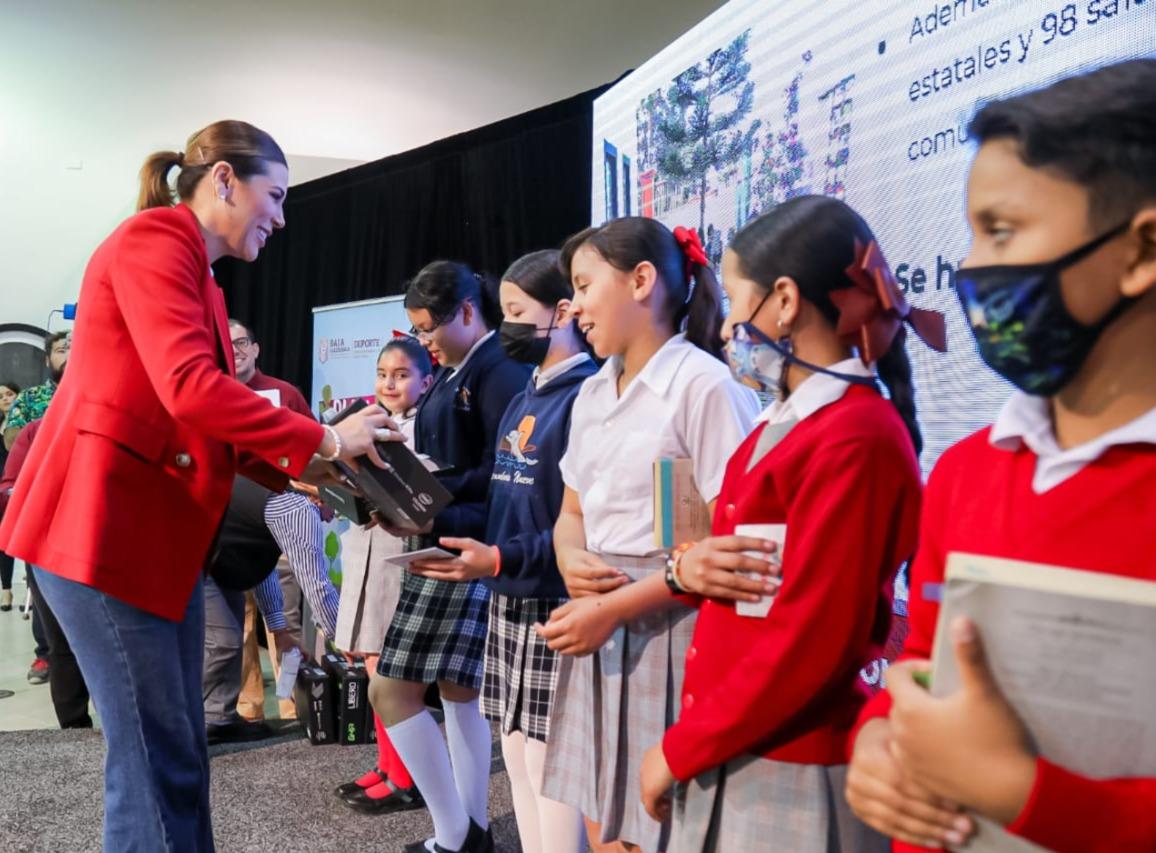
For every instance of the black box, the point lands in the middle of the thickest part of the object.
(346, 503)
(405, 493)
(315, 698)
(351, 681)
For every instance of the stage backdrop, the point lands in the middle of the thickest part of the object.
(867, 101)
(484, 197)
(346, 341)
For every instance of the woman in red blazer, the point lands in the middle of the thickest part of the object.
(129, 476)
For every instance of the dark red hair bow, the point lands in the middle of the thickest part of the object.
(688, 240)
(871, 312)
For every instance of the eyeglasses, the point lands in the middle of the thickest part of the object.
(242, 343)
(427, 334)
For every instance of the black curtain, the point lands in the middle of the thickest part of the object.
(484, 197)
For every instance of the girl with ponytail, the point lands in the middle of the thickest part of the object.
(649, 304)
(122, 495)
(826, 492)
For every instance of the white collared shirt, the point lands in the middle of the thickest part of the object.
(473, 349)
(814, 393)
(405, 423)
(541, 377)
(683, 404)
(1027, 420)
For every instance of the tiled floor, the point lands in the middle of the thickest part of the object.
(30, 707)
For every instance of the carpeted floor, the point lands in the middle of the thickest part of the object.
(272, 796)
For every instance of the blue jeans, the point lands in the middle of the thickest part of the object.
(144, 673)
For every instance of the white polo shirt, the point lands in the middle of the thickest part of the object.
(683, 404)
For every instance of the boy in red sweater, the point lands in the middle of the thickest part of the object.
(1065, 475)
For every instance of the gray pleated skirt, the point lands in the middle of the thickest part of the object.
(754, 803)
(612, 706)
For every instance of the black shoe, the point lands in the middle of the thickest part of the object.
(239, 731)
(348, 788)
(399, 800)
(478, 840)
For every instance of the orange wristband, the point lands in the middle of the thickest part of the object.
(497, 560)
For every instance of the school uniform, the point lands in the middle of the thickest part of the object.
(438, 631)
(370, 586)
(525, 500)
(683, 404)
(1010, 491)
(768, 702)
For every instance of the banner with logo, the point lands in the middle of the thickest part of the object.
(346, 341)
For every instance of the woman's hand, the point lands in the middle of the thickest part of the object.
(886, 799)
(359, 432)
(475, 561)
(657, 780)
(586, 574)
(970, 746)
(715, 568)
(581, 626)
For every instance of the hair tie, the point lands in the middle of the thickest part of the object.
(872, 310)
(691, 246)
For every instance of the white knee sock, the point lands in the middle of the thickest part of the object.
(468, 735)
(560, 825)
(419, 742)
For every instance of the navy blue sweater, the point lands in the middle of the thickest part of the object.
(526, 487)
(457, 425)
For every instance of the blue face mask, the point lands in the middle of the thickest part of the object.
(1022, 326)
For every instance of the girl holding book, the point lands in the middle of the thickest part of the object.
(1060, 292)
(830, 476)
(649, 304)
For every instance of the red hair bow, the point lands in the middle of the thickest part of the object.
(688, 240)
(871, 312)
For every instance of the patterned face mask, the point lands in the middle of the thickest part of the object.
(757, 361)
(1021, 324)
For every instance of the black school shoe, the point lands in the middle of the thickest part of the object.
(348, 788)
(238, 731)
(399, 800)
(478, 840)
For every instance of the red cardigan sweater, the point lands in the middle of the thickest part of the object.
(1103, 519)
(846, 483)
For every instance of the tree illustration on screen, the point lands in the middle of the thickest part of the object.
(783, 167)
(698, 129)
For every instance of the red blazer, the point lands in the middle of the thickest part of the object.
(129, 477)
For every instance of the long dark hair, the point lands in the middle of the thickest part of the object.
(248, 149)
(811, 239)
(625, 243)
(540, 275)
(442, 286)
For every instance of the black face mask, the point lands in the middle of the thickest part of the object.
(521, 341)
(1024, 330)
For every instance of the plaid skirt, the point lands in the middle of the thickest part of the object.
(521, 671)
(438, 632)
(754, 803)
(612, 706)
